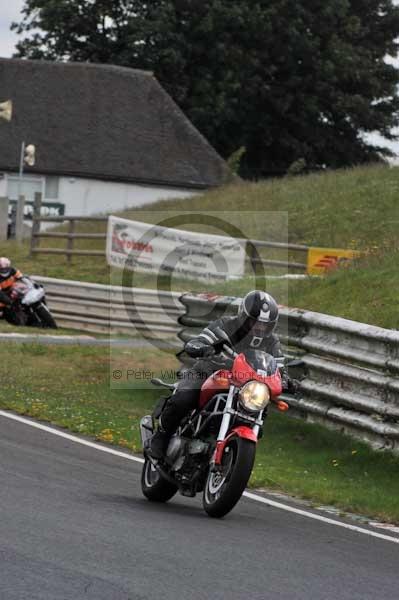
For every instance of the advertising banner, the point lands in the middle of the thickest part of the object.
(322, 260)
(138, 246)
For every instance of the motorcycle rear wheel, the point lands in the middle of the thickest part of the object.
(224, 488)
(154, 487)
(16, 317)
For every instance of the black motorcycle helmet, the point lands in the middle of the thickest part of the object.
(258, 313)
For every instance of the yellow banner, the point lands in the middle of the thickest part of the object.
(323, 260)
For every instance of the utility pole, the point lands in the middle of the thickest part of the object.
(21, 168)
(27, 157)
(5, 115)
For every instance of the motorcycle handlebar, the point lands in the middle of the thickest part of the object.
(229, 350)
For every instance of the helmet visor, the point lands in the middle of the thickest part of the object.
(260, 328)
(5, 271)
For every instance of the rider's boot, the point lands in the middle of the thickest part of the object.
(159, 443)
(176, 408)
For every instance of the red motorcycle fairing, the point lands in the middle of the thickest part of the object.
(217, 383)
(242, 372)
(242, 431)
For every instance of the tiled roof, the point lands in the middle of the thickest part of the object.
(102, 121)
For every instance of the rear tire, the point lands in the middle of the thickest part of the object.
(45, 317)
(224, 489)
(15, 316)
(155, 488)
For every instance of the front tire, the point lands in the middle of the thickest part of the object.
(224, 488)
(155, 488)
(45, 317)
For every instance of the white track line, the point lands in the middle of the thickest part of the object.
(249, 495)
(68, 436)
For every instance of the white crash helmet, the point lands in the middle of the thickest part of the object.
(5, 266)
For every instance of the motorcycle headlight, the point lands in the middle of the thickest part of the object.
(254, 396)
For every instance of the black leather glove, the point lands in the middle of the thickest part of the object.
(198, 349)
(209, 351)
(291, 385)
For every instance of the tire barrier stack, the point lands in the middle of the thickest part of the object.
(351, 370)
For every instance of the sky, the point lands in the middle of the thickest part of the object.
(11, 11)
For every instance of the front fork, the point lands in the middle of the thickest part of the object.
(242, 431)
(226, 420)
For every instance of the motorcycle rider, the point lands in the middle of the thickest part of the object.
(8, 277)
(253, 327)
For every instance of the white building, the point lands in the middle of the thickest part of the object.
(106, 138)
(82, 196)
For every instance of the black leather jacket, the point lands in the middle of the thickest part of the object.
(239, 339)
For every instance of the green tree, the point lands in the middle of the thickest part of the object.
(286, 79)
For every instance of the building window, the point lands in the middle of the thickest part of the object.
(51, 188)
(29, 185)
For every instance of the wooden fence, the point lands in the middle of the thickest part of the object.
(254, 248)
(70, 235)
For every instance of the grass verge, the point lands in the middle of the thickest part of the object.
(38, 331)
(354, 208)
(69, 386)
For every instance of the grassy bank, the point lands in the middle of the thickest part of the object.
(349, 208)
(354, 208)
(70, 387)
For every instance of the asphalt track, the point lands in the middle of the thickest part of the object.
(73, 524)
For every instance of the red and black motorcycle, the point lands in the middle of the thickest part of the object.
(213, 451)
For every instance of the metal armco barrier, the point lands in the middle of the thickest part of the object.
(352, 369)
(112, 309)
(351, 378)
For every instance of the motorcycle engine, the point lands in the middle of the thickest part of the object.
(175, 452)
(183, 453)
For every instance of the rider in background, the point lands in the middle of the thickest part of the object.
(8, 277)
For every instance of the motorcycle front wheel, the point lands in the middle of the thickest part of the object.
(155, 487)
(45, 317)
(224, 487)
